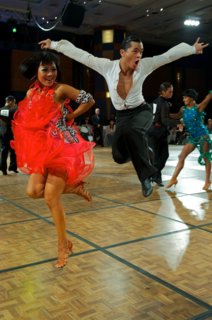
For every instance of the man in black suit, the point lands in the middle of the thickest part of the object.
(158, 133)
(97, 127)
(6, 135)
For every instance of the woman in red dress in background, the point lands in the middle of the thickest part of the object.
(47, 144)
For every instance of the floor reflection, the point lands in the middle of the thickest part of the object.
(195, 207)
(171, 247)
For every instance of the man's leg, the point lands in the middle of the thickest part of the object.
(140, 157)
(120, 151)
(4, 155)
(162, 154)
(13, 164)
(134, 125)
(137, 142)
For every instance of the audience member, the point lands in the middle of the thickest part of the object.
(97, 127)
(6, 135)
(109, 133)
(86, 130)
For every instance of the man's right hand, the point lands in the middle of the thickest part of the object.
(199, 46)
(45, 44)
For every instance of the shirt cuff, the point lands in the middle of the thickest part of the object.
(53, 45)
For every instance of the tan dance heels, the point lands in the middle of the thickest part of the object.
(172, 182)
(207, 186)
(80, 191)
(64, 249)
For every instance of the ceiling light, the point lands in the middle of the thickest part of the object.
(191, 22)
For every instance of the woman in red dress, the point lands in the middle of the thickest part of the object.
(47, 144)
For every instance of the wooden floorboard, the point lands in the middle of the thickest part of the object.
(134, 258)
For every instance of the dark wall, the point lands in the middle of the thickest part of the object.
(15, 47)
(189, 72)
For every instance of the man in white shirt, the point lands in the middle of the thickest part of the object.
(125, 78)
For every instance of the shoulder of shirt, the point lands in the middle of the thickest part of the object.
(157, 99)
(145, 62)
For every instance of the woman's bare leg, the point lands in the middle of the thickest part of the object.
(206, 148)
(53, 189)
(187, 149)
(36, 185)
(207, 174)
(50, 187)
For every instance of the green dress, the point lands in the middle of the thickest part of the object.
(193, 120)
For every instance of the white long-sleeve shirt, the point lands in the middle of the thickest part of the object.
(110, 69)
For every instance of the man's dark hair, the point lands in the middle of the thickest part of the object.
(10, 98)
(164, 86)
(29, 66)
(126, 43)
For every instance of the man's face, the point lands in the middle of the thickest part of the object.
(168, 93)
(11, 103)
(132, 55)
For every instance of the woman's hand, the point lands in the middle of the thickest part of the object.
(180, 127)
(70, 116)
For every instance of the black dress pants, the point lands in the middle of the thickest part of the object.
(98, 135)
(6, 151)
(159, 144)
(130, 140)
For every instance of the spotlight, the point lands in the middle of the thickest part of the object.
(191, 22)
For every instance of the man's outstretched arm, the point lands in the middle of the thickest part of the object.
(82, 56)
(177, 52)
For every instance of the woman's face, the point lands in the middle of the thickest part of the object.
(188, 100)
(47, 74)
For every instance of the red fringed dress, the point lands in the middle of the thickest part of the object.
(45, 143)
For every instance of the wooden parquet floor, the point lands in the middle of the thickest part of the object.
(134, 258)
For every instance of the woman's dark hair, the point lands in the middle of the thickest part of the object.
(191, 93)
(29, 66)
(126, 43)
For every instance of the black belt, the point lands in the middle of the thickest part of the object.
(142, 106)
